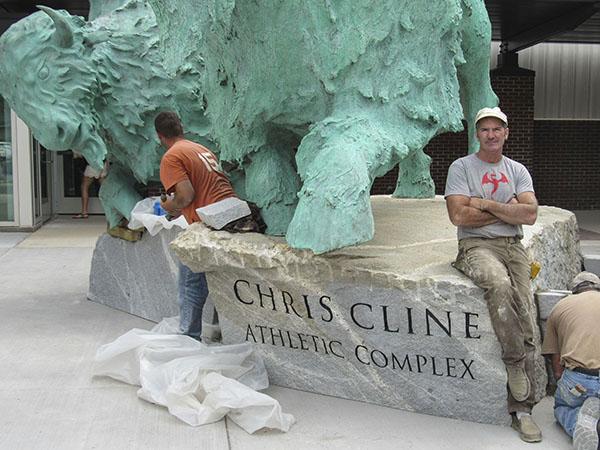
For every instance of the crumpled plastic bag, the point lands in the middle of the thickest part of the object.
(169, 325)
(142, 215)
(198, 384)
(211, 332)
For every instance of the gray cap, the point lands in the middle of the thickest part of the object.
(584, 277)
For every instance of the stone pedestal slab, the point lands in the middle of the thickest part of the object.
(387, 322)
(546, 300)
(591, 256)
(136, 277)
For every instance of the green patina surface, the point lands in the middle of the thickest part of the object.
(305, 102)
(95, 87)
(343, 90)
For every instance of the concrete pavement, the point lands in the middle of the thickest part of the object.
(49, 333)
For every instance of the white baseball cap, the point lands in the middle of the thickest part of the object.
(491, 112)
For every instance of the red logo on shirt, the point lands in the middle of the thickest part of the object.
(492, 178)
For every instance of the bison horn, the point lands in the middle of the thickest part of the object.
(64, 33)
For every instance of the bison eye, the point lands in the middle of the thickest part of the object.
(44, 73)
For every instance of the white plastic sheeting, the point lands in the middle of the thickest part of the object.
(142, 215)
(199, 384)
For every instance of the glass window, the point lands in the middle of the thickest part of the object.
(7, 204)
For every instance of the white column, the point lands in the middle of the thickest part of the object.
(23, 173)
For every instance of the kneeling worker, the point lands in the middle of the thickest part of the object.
(192, 173)
(572, 339)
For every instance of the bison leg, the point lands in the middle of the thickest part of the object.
(474, 76)
(272, 183)
(118, 195)
(337, 162)
(414, 179)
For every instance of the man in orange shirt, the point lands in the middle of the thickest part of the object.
(191, 172)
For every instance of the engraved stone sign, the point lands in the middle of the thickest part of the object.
(387, 322)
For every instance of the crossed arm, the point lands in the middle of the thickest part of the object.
(477, 212)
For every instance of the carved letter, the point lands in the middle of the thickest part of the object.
(290, 340)
(354, 318)
(450, 367)
(433, 367)
(333, 352)
(307, 306)
(410, 324)
(367, 363)
(468, 325)
(288, 302)
(429, 314)
(385, 359)
(302, 341)
(250, 333)
(280, 335)
(237, 293)
(386, 325)
(327, 308)
(467, 368)
(401, 364)
(262, 329)
(261, 295)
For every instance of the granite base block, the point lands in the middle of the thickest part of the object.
(546, 300)
(591, 256)
(136, 277)
(387, 322)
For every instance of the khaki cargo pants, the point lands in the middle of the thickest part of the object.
(501, 267)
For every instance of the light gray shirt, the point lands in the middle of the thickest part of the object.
(501, 181)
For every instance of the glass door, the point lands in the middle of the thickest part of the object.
(70, 175)
(7, 189)
(42, 182)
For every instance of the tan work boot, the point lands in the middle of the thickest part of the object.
(125, 233)
(527, 428)
(518, 383)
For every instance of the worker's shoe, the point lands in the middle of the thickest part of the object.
(587, 428)
(125, 233)
(518, 383)
(527, 428)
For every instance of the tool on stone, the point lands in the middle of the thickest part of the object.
(163, 198)
(536, 266)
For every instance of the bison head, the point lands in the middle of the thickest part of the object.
(47, 77)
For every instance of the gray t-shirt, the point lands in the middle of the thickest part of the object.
(501, 181)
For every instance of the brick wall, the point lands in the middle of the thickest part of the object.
(515, 91)
(567, 163)
(444, 149)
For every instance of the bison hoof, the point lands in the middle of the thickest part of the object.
(321, 226)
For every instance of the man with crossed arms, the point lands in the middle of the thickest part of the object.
(489, 197)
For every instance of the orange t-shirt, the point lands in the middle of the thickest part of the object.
(186, 160)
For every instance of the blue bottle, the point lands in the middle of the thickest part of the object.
(158, 210)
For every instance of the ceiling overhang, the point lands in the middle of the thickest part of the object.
(518, 24)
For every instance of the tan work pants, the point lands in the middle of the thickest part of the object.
(501, 267)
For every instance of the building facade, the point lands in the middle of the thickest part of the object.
(36, 184)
